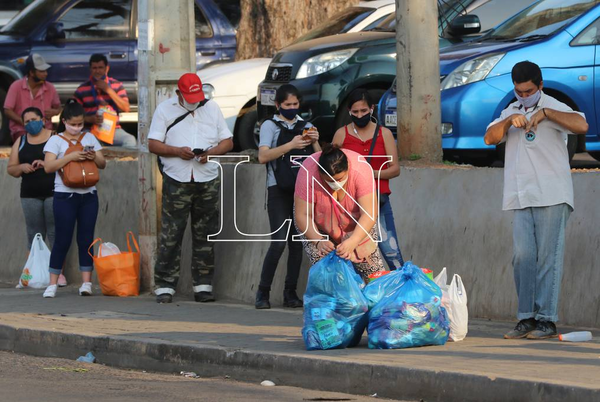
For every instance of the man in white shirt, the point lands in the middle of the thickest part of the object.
(185, 130)
(538, 187)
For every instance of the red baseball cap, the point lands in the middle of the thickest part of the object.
(190, 86)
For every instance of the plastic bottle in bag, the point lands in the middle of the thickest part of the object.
(107, 249)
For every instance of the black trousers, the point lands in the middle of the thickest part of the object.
(280, 206)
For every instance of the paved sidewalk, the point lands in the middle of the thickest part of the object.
(220, 339)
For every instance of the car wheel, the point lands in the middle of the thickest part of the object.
(4, 132)
(343, 117)
(246, 138)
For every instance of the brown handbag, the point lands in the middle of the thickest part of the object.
(78, 174)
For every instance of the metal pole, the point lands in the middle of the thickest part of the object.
(166, 50)
(418, 80)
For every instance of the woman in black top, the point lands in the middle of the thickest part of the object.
(37, 187)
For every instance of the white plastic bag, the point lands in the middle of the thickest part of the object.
(454, 300)
(107, 249)
(35, 272)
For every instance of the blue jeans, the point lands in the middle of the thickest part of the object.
(389, 246)
(71, 208)
(539, 249)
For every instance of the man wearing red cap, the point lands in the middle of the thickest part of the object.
(185, 130)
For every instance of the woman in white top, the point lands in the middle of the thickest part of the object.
(72, 205)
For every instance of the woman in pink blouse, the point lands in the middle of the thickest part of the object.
(335, 207)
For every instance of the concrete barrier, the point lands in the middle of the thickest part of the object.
(448, 217)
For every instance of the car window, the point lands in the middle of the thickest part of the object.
(97, 19)
(232, 10)
(493, 12)
(541, 19)
(28, 20)
(589, 36)
(338, 24)
(203, 28)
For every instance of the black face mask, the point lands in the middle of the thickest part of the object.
(288, 113)
(361, 121)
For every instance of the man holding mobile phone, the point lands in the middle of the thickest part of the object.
(186, 129)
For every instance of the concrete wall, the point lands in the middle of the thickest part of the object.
(445, 217)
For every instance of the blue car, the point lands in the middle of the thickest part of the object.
(561, 36)
(67, 32)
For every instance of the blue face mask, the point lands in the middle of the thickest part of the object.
(288, 113)
(531, 100)
(34, 127)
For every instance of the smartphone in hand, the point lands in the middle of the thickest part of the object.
(88, 148)
(198, 151)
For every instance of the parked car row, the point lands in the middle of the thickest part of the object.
(67, 32)
(561, 36)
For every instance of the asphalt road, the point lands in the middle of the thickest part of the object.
(28, 379)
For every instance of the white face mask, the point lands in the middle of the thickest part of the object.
(190, 106)
(337, 185)
(73, 130)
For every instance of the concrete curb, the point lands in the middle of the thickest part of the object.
(288, 369)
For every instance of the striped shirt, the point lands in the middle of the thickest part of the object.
(91, 98)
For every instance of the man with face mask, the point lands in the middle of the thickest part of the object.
(31, 91)
(185, 130)
(104, 93)
(538, 188)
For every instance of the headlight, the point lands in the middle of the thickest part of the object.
(209, 91)
(324, 62)
(471, 71)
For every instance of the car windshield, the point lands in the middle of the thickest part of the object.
(30, 18)
(338, 24)
(448, 10)
(541, 19)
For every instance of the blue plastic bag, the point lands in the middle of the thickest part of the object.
(405, 310)
(335, 309)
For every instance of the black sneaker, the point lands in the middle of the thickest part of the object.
(523, 328)
(543, 330)
(164, 298)
(291, 299)
(262, 300)
(204, 297)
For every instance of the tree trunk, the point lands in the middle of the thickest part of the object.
(269, 25)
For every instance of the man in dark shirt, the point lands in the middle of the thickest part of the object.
(102, 91)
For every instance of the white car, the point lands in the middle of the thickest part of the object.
(233, 85)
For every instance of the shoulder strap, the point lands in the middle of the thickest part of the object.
(373, 143)
(22, 142)
(183, 116)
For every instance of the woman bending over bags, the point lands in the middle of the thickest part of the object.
(344, 179)
(77, 203)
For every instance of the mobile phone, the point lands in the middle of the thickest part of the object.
(198, 151)
(88, 148)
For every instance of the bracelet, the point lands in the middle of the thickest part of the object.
(544, 110)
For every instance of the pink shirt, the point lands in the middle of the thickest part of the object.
(360, 183)
(19, 98)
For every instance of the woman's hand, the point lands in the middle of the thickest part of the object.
(38, 164)
(27, 168)
(77, 156)
(90, 155)
(325, 247)
(313, 133)
(346, 249)
(298, 143)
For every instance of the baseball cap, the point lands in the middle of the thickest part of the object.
(36, 61)
(190, 87)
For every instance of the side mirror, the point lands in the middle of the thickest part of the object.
(55, 32)
(465, 25)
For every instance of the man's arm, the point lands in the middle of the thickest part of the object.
(495, 133)
(122, 102)
(13, 116)
(570, 121)
(161, 149)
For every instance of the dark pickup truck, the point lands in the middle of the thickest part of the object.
(67, 32)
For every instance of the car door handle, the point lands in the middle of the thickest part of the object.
(208, 53)
(117, 55)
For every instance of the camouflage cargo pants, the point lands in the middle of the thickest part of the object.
(179, 200)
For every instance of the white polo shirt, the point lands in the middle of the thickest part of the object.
(205, 128)
(536, 170)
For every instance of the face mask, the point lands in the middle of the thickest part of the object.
(190, 106)
(37, 79)
(337, 185)
(72, 129)
(34, 127)
(361, 121)
(288, 113)
(531, 100)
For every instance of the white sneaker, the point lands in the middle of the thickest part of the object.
(50, 291)
(85, 289)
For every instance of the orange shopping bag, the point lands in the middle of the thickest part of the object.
(118, 274)
(106, 131)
